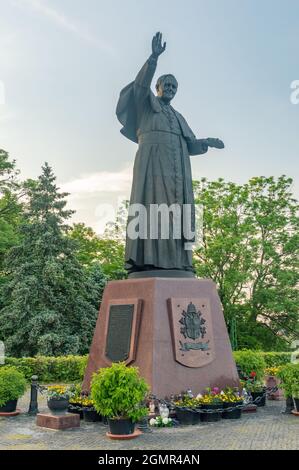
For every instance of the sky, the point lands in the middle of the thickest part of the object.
(63, 64)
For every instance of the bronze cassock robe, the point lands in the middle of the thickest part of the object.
(162, 170)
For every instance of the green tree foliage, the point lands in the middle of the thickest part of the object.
(250, 249)
(50, 300)
(107, 250)
(10, 209)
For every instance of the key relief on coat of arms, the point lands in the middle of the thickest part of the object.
(192, 331)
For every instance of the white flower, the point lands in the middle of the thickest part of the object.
(166, 420)
(199, 395)
(153, 422)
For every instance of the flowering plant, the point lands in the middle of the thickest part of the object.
(76, 400)
(187, 402)
(161, 422)
(57, 392)
(272, 370)
(211, 397)
(230, 395)
(251, 383)
(87, 402)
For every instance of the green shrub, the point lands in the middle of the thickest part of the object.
(66, 369)
(275, 359)
(118, 392)
(250, 361)
(289, 376)
(12, 384)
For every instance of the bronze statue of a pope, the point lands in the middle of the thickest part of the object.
(162, 172)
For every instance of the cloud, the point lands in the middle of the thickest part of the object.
(65, 23)
(101, 182)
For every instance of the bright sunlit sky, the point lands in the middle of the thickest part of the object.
(64, 62)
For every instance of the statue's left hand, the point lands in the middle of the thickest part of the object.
(216, 143)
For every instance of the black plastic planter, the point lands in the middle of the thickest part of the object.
(58, 406)
(261, 395)
(121, 426)
(91, 415)
(213, 416)
(233, 414)
(187, 417)
(76, 409)
(296, 401)
(9, 406)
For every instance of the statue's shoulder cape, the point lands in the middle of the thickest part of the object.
(127, 114)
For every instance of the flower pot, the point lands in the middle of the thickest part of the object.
(121, 426)
(91, 415)
(187, 417)
(262, 401)
(289, 405)
(271, 382)
(296, 403)
(75, 408)
(58, 405)
(9, 406)
(233, 414)
(213, 416)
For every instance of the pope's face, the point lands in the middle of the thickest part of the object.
(167, 90)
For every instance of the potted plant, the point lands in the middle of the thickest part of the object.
(58, 398)
(231, 399)
(75, 400)
(255, 387)
(160, 422)
(289, 376)
(118, 393)
(90, 414)
(186, 410)
(75, 405)
(295, 395)
(12, 386)
(211, 400)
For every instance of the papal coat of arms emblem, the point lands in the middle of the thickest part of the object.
(192, 335)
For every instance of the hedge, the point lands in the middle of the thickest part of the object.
(274, 359)
(66, 369)
(69, 369)
(271, 359)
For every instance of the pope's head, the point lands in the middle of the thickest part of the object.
(166, 87)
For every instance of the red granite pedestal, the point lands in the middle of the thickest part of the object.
(178, 334)
(59, 422)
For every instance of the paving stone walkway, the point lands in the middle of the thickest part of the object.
(267, 429)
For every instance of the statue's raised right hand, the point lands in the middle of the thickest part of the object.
(157, 48)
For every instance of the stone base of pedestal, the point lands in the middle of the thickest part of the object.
(12, 413)
(59, 422)
(172, 329)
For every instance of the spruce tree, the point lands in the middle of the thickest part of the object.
(51, 305)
